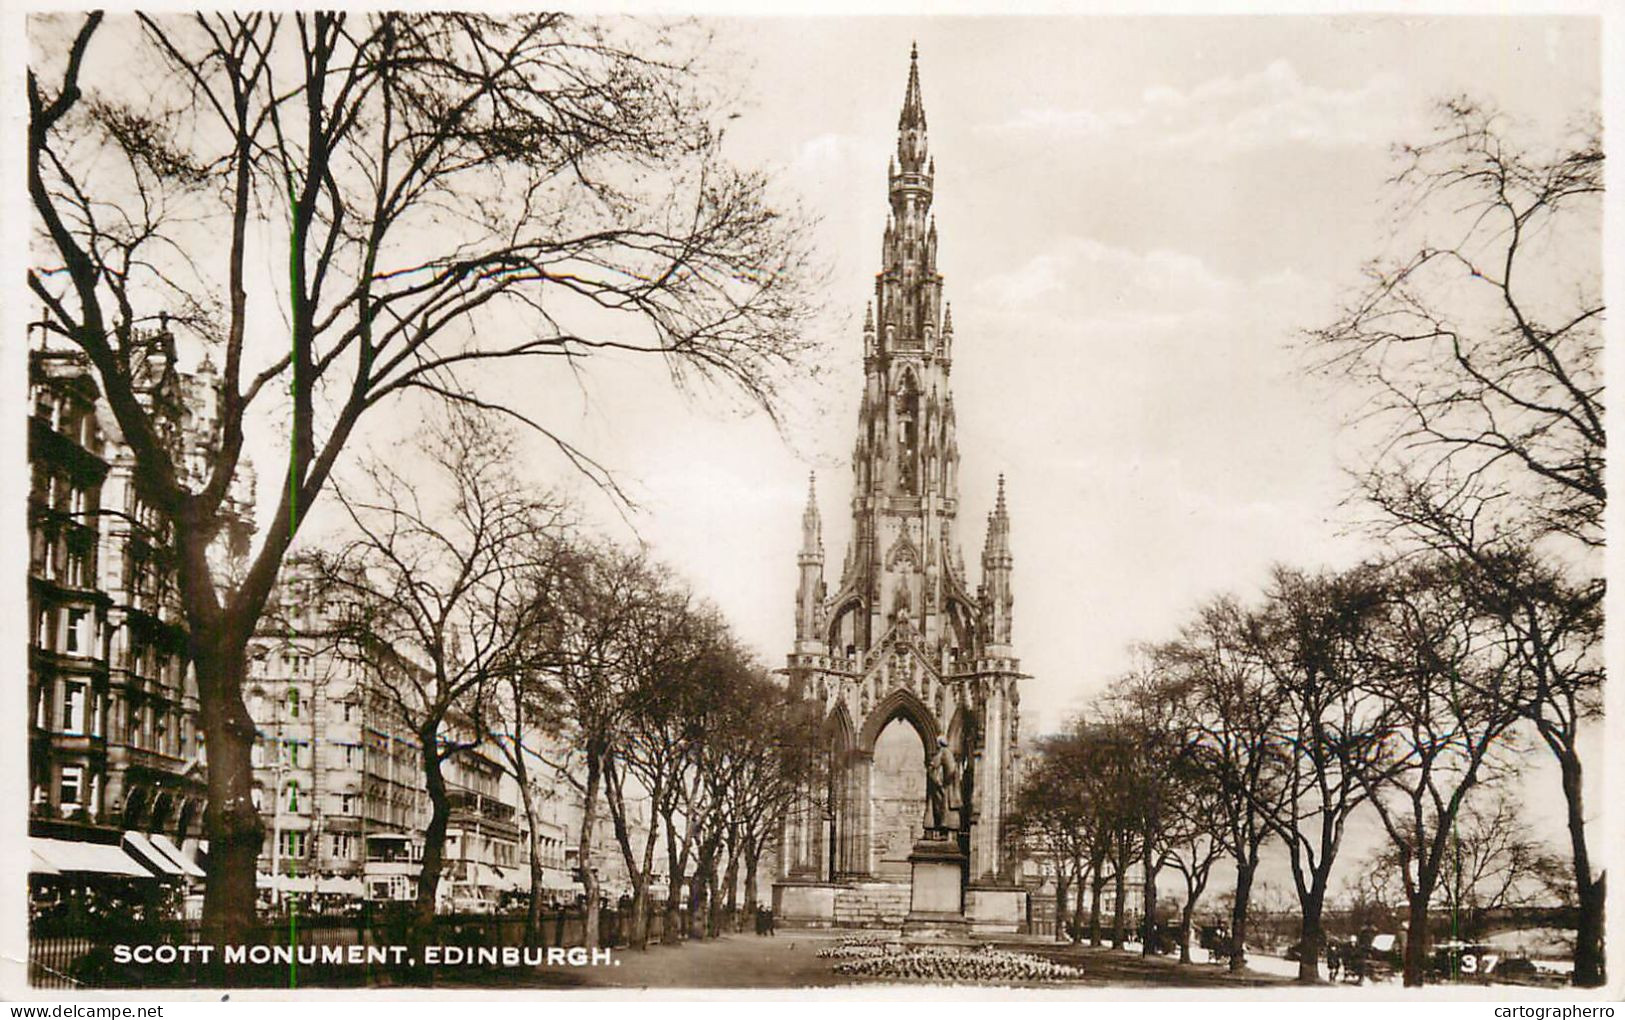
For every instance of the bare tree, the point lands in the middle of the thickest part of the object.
(779, 753)
(1481, 345)
(672, 642)
(1142, 711)
(1218, 666)
(1312, 641)
(450, 190)
(1438, 668)
(1192, 841)
(442, 599)
(1053, 816)
(1495, 863)
(519, 711)
(606, 601)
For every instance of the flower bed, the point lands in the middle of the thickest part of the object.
(979, 966)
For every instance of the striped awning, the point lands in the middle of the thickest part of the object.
(73, 857)
(176, 854)
(141, 849)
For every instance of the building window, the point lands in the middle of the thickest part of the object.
(343, 848)
(352, 756)
(78, 569)
(95, 714)
(293, 703)
(349, 711)
(347, 803)
(293, 796)
(73, 778)
(73, 708)
(78, 632)
(293, 843)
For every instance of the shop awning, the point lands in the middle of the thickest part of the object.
(345, 884)
(73, 857)
(169, 849)
(286, 883)
(141, 849)
(38, 865)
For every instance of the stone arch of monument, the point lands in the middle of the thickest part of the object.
(903, 704)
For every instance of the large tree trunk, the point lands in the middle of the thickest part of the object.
(698, 886)
(1061, 886)
(1310, 934)
(589, 881)
(538, 880)
(1238, 913)
(434, 837)
(1148, 900)
(637, 926)
(1096, 889)
(752, 862)
(714, 904)
(233, 824)
(1185, 916)
(1590, 969)
(1416, 938)
(671, 933)
(730, 882)
(1077, 911)
(1120, 886)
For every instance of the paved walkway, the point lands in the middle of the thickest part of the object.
(790, 960)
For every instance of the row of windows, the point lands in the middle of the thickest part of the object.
(66, 560)
(295, 801)
(297, 754)
(297, 705)
(80, 710)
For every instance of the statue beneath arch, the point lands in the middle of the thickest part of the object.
(905, 634)
(942, 791)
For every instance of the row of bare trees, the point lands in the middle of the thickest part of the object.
(1393, 690)
(489, 622)
(1404, 686)
(352, 213)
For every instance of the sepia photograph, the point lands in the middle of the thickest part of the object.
(628, 502)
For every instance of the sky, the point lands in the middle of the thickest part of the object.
(1138, 217)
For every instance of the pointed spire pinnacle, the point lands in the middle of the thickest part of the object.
(868, 316)
(812, 527)
(913, 114)
(947, 317)
(998, 503)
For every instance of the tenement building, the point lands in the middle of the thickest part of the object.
(116, 754)
(903, 636)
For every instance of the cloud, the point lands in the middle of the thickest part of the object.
(1236, 113)
(1083, 277)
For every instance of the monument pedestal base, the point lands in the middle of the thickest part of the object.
(937, 889)
(994, 909)
(804, 903)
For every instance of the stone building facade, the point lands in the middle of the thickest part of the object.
(116, 753)
(903, 633)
